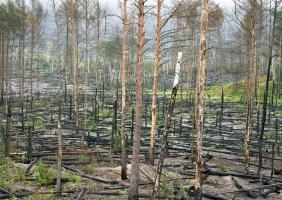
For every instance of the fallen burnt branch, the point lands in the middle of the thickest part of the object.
(95, 178)
(191, 193)
(30, 166)
(82, 192)
(2, 190)
(249, 193)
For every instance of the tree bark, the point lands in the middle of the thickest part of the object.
(123, 96)
(133, 190)
(250, 88)
(200, 98)
(151, 153)
(265, 97)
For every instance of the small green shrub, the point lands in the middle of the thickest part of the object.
(20, 174)
(6, 173)
(104, 113)
(83, 158)
(167, 189)
(116, 142)
(124, 192)
(93, 126)
(44, 174)
(71, 177)
(183, 192)
(38, 125)
(222, 167)
(91, 169)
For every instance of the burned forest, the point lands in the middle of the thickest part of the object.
(140, 99)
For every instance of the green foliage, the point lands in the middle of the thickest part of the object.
(104, 113)
(39, 125)
(116, 143)
(37, 104)
(183, 192)
(83, 158)
(124, 192)
(44, 174)
(111, 47)
(91, 169)
(93, 186)
(159, 118)
(20, 174)
(222, 167)
(71, 177)
(167, 189)
(6, 173)
(41, 197)
(93, 126)
(28, 123)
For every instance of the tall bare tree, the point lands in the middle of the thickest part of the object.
(123, 88)
(151, 153)
(200, 97)
(134, 180)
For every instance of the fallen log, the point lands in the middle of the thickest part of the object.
(95, 178)
(249, 193)
(30, 166)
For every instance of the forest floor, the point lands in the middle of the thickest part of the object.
(85, 170)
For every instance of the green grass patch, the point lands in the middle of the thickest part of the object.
(44, 174)
(105, 113)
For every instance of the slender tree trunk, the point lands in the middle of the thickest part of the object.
(31, 64)
(9, 66)
(123, 96)
(97, 78)
(251, 67)
(200, 98)
(265, 97)
(66, 59)
(74, 29)
(60, 154)
(86, 67)
(133, 190)
(2, 67)
(21, 64)
(151, 153)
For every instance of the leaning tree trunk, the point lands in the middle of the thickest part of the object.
(151, 153)
(133, 190)
(200, 95)
(123, 95)
(167, 126)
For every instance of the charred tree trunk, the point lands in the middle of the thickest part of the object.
(265, 96)
(167, 126)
